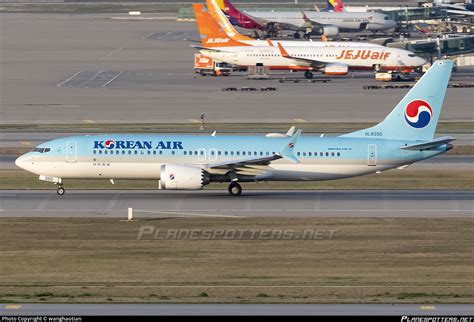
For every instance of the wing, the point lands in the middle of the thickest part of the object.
(255, 166)
(312, 62)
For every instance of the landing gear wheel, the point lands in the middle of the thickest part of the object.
(61, 191)
(296, 35)
(235, 189)
(308, 74)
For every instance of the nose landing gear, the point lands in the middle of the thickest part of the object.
(235, 189)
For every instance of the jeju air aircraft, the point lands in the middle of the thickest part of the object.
(328, 23)
(190, 162)
(330, 60)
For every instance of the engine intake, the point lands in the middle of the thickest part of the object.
(183, 177)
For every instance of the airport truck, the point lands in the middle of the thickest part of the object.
(204, 65)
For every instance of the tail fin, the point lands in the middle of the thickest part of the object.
(417, 114)
(335, 6)
(218, 15)
(210, 32)
(240, 18)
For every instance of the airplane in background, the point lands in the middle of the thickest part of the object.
(330, 60)
(214, 27)
(189, 162)
(327, 23)
(458, 9)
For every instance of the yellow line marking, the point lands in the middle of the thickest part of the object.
(13, 306)
(428, 307)
(88, 121)
(195, 121)
(28, 143)
(300, 120)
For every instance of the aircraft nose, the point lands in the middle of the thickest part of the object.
(420, 61)
(22, 161)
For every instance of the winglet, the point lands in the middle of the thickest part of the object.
(287, 151)
(283, 52)
(291, 131)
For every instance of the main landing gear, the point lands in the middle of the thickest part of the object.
(61, 190)
(308, 74)
(235, 189)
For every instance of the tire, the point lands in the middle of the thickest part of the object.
(235, 189)
(296, 35)
(308, 74)
(61, 191)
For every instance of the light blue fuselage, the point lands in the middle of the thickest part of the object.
(141, 156)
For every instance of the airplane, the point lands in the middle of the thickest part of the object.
(190, 162)
(214, 27)
(456, 9)
(328, 23)
(330, 60)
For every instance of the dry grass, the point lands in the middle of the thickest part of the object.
(368, 261)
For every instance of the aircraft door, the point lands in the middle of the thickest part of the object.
(71, 151)
(372, 155)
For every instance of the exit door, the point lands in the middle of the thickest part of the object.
(71, 151)
(372, 155)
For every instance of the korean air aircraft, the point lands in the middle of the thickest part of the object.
(190, 162)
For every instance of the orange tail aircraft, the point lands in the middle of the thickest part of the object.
(211, 33)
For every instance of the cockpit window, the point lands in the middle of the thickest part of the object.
(41, 150)
(411, 55)
(385, 18)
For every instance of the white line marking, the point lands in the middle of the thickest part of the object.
(186, 214)
(149, 35)
(113, 78)
(67, 80)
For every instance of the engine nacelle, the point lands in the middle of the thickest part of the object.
(330, 31)
(335, 69)
(183, 177)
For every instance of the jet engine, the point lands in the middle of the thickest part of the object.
(330, 31)
(183, 177)
(335, 69)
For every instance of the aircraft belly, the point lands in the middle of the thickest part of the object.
(289, 172)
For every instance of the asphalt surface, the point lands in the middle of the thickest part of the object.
(237, 309)
(90, 68)
(256, 203)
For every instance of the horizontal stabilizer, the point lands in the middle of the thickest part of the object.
(431, 144)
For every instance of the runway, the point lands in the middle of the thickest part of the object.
(253, 203)
(237, 309)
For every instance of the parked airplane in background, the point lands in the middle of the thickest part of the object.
(330, 60)
(187, 162)
(214, 27)
(328, 23)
